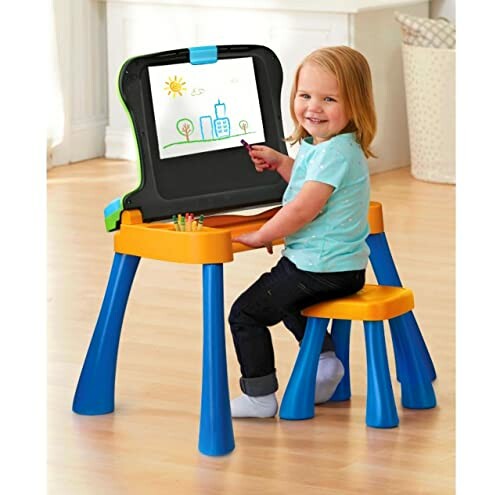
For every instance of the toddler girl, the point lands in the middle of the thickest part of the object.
(324, 221)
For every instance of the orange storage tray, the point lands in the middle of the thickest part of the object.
(212, 244)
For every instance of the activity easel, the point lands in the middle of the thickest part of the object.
(166, 188)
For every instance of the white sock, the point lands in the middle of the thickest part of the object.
(330, 372)
(246, 406)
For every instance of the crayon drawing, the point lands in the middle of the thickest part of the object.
(175, 86)
(208, 107)
(185, 127)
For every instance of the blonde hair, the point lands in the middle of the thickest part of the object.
(355, 85)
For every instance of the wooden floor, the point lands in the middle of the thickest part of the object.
(149, 444)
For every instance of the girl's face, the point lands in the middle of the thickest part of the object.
(318, 105)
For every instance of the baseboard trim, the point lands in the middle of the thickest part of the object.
(120, 145)
(83, 143)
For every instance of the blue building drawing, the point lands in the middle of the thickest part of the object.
(215, 128)
(206, 126)
(222, 125)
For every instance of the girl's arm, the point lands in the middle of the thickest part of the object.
(265, 158)
(285, 169)
(304, 208)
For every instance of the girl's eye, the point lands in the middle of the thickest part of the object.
(304, 96)
(329, 98)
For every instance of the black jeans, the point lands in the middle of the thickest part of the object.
(277, 296)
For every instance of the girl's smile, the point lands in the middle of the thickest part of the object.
(315, 121)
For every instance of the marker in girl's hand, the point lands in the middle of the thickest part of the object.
(246, 145)
(249, 149)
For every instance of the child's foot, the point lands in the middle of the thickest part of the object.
(246, 406)
(330, 372)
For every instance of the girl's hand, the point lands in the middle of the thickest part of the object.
(265, 158)
(253, 239)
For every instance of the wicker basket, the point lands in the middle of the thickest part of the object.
(429, 75)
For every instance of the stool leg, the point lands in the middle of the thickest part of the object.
(386, 273)
(381, 260)
(380, 405)
(416, 341)
(341, 334)
(95, 392)
(399, 354)
(298, 400)
(416, 386)
(216, 428)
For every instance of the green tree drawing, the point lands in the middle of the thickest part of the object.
(185, 127)
(243, 125)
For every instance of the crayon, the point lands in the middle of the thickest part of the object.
(200, 222)
(246, 145)
(176, 224)
(182, 224)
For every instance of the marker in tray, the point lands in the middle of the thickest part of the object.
(200, 222)
(176, 223)
(187, 222)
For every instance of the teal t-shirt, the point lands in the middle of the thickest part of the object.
(335, 240)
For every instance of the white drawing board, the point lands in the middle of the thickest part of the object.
(207, 107)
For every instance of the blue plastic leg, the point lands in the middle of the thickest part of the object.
(387, 274)
(341, 334)
(399, 354)
(298, 400)
(95, 393)
(216, 428)
(380, 405)
(416, 386)
(381, 260)
(412, 338)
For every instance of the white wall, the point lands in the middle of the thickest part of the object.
(443, 8)
(81, 48)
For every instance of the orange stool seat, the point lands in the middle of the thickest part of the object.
(372, 305)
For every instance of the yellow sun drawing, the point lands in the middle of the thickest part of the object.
(175, 86)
